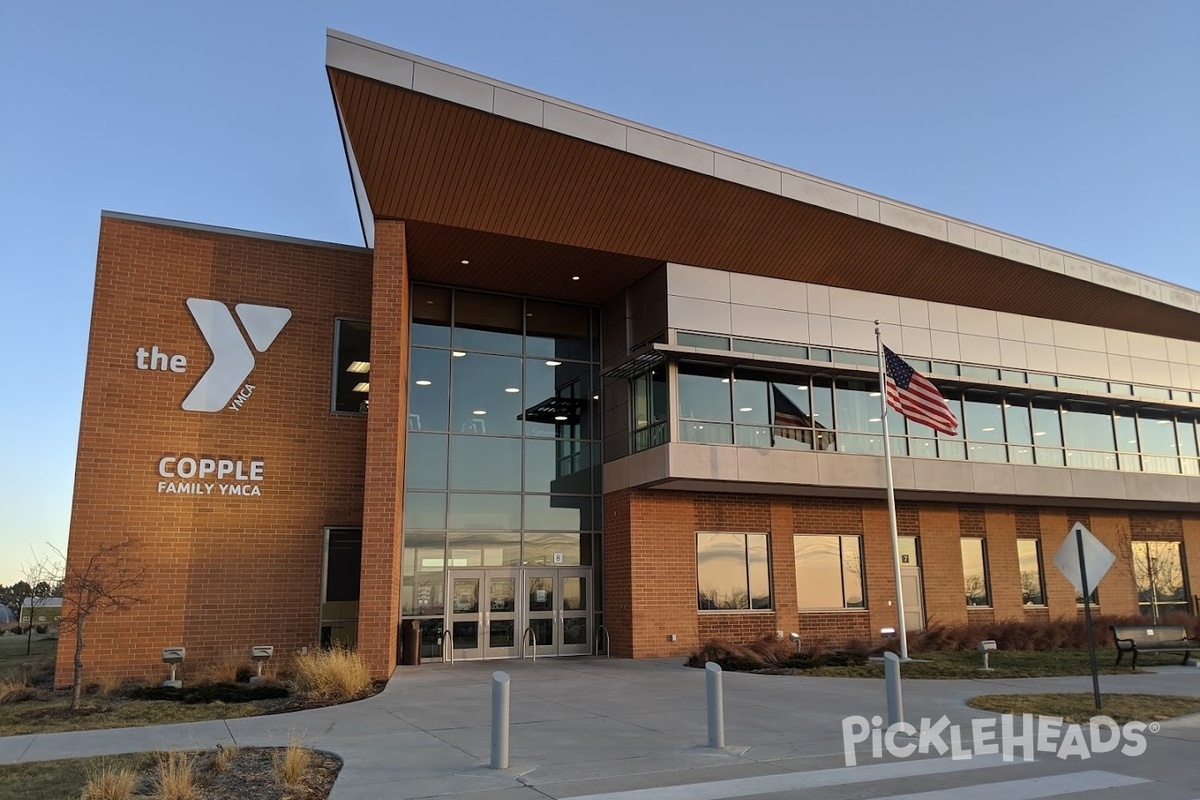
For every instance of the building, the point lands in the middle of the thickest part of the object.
(41, 611)
(621, 385)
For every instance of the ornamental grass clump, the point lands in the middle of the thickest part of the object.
(292, 762)
(331, 676)
(109, 782)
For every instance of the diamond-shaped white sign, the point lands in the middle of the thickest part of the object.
(1097, 558)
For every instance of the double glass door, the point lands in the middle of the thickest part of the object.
(506, 613)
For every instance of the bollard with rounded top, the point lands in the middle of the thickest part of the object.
(716, 705)
(895, 701)
(499, 720)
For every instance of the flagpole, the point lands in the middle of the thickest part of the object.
(891, 495)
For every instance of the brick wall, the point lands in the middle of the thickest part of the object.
(650, 564)
(224, 572)
(387, 427)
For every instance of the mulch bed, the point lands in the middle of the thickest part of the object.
(251, 774)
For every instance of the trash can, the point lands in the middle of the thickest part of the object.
(410, 643)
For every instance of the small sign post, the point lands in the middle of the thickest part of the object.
(1084, 560)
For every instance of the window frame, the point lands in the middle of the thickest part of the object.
(987, 583)
(862, 575)
(749, 608)
(335, 374)
(1041, 571)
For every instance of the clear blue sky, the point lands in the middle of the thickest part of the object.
(1076, 124)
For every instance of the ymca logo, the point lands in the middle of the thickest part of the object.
(232, 359)
(223, 384)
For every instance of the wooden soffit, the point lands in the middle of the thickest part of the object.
(463, 174)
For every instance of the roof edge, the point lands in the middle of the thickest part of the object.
(416, 73)
(163, 222)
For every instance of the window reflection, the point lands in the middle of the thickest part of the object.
(425, 461)
(975, 577)
(555, 330)
(732, 571)
(430, 315)
(983, 417)
(490, 323)
(484, 548)
(484, 400)
(829, 572)
(1088, 435)
(1158, 575)
(1029, 558)
(428, 389)
(485, 463)
(484, 511)
(1156, 432)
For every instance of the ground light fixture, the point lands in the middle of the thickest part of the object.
(174, 657)
(259, 654)
(795, 637)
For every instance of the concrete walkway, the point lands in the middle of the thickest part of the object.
(587, 726)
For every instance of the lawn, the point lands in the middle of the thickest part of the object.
(55, 780)
(12, 651)
(1080, 708)
(52, 716)
(966, 664)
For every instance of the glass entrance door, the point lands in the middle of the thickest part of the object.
(483, 613)
(500, 613)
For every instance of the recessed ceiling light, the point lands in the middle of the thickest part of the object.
(874, 394)
(595, 397)
(479, 412)
(512, 390)
(365, 386)
(465, 261)
(745, 409)
(424, 383)
(560, 418)
(574, 277)
(553, 363)
(875, 419)
(458, 354)
(359, 366)
(1039, 433)
(802, 388)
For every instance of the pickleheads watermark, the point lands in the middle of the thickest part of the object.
(995, 736)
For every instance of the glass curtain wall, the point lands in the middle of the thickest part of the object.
(752, 408)
(502, 462)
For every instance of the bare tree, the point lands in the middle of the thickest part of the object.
(106, 582)
(43, 575)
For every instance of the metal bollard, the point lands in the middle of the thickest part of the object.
(499, 720)
(895, 700)
(716, 705)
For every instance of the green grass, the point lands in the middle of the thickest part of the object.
(1004, 663)
(1081, 707)
(55, 780)
(12, 651)
(51, 716)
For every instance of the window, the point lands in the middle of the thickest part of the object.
(352, 366)
(1158, 575)
(343, 570)
(649, 408)
(1029, 556)
(829, 572)
(705, 404)
(975, 578)
(732, 572)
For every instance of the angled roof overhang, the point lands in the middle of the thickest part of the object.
(533, 191)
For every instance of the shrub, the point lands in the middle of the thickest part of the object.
(108, 782)
(17, 686)
(292, 762)
(176, 777)
(229, 667)
(730, 657)
(1039, 635)
(331, 675)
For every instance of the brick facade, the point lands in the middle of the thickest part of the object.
(224, 572)
(650, 564)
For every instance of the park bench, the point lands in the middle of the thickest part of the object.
(1152, 639)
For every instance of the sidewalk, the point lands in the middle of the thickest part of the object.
(589, 725)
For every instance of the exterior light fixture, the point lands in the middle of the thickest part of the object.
(560, 418)
(574, 277)
(259, 654)
(174, 657)
(424, 383)
(595, 397)
(795, 637)
(465, 261)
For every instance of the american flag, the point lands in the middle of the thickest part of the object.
(789, 422)
(911, 393)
